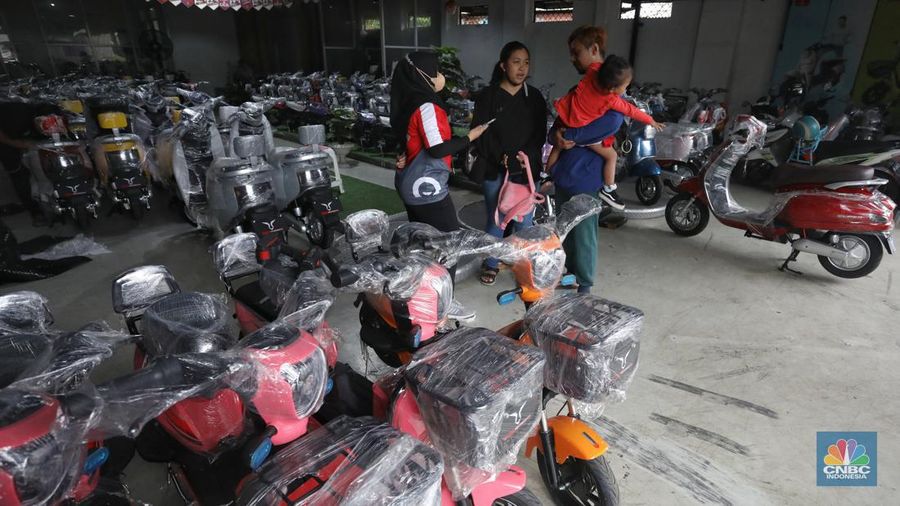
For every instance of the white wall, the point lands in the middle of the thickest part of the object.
(706, 43)
(205, 42)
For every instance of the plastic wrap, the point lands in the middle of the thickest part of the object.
(42, 452)
(24, 311)
(236, 185)
(291, 377)
(277, 276)
(137, 288)
(65, 363)
(235, 255)
(187, 322)
(366, 230)
(122, 154)
(350, 461)
(311, 134)
(574, 211)
(307, 301)
(479, 394)
(537, 260)
(591, 345)
(130, 401)
(747, 133)
(74, 247)
(443, 247)
(679, 141)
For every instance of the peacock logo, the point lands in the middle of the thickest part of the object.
(846, 452)
(847, 459)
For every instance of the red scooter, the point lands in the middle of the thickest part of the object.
(833, 212)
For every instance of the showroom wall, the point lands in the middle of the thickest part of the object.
(706, 43)
(205, 42)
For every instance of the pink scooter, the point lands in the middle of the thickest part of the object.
(475, 396)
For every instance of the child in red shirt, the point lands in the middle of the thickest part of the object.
(597, 93)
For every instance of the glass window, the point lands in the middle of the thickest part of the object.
(473, 15)
(649, 10)
(399, 29)
(71, 58)
(554, 11)
(428, 23)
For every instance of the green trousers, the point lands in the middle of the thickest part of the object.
(580, 247)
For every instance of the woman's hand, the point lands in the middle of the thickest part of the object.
(476, 132)
(401, 161)
(657, 125)
(561, 142)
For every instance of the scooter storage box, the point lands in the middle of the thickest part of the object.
(187, 322)
(312, 134)
(591, 345)
(236, 185)
(479, 394)
(302, 169)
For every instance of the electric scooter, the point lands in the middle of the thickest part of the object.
(833, 212)
(62, 177)
(120, 160)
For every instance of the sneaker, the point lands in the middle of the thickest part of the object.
(612, 198)
(459, 312)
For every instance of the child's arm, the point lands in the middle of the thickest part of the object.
(625, 107)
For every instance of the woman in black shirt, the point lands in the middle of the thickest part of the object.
(521, 125)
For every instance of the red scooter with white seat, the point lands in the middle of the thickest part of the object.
(833, 212)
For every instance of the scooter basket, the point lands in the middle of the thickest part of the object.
(479, 394)
(591, 345)
(187, 322)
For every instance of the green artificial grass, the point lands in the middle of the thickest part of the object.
(359, 195)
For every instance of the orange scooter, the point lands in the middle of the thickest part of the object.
(590, 343)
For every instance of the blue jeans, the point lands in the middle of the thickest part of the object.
(491, 189)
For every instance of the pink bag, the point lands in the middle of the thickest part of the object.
(516, 200)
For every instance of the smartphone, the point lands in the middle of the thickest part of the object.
(491, 121)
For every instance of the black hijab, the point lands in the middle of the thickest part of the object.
(410, 89)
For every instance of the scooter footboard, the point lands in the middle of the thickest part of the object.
(571, 438)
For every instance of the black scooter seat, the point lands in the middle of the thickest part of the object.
(834, 149)
(791, 174)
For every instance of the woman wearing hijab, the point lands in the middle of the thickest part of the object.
(419, 117)
(521, 114)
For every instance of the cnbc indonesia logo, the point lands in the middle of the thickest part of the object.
(846, 461)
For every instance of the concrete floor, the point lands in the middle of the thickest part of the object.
(740, 364)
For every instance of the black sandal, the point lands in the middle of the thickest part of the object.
(488, 275)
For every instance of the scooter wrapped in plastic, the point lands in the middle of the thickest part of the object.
(350, 461)
(591, 345)
(479, 394)
(137, 288)
(366, 230)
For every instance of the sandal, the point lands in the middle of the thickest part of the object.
(488, 275)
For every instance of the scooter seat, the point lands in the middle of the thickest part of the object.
(790, 174)
(834, 149)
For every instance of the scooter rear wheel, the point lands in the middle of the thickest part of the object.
(686, 215)
(591, 482)
(866, 252)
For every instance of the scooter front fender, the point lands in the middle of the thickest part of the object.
(571, 438)
(507, 482)
(646, 167)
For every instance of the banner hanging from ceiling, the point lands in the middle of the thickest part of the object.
(230, 4)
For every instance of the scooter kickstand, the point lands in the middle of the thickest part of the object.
(791, 258)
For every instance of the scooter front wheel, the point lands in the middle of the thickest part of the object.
(318, 233)
(523, 497)
(864, 256)
(648, 189)
(588, 482)
(686, 215)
